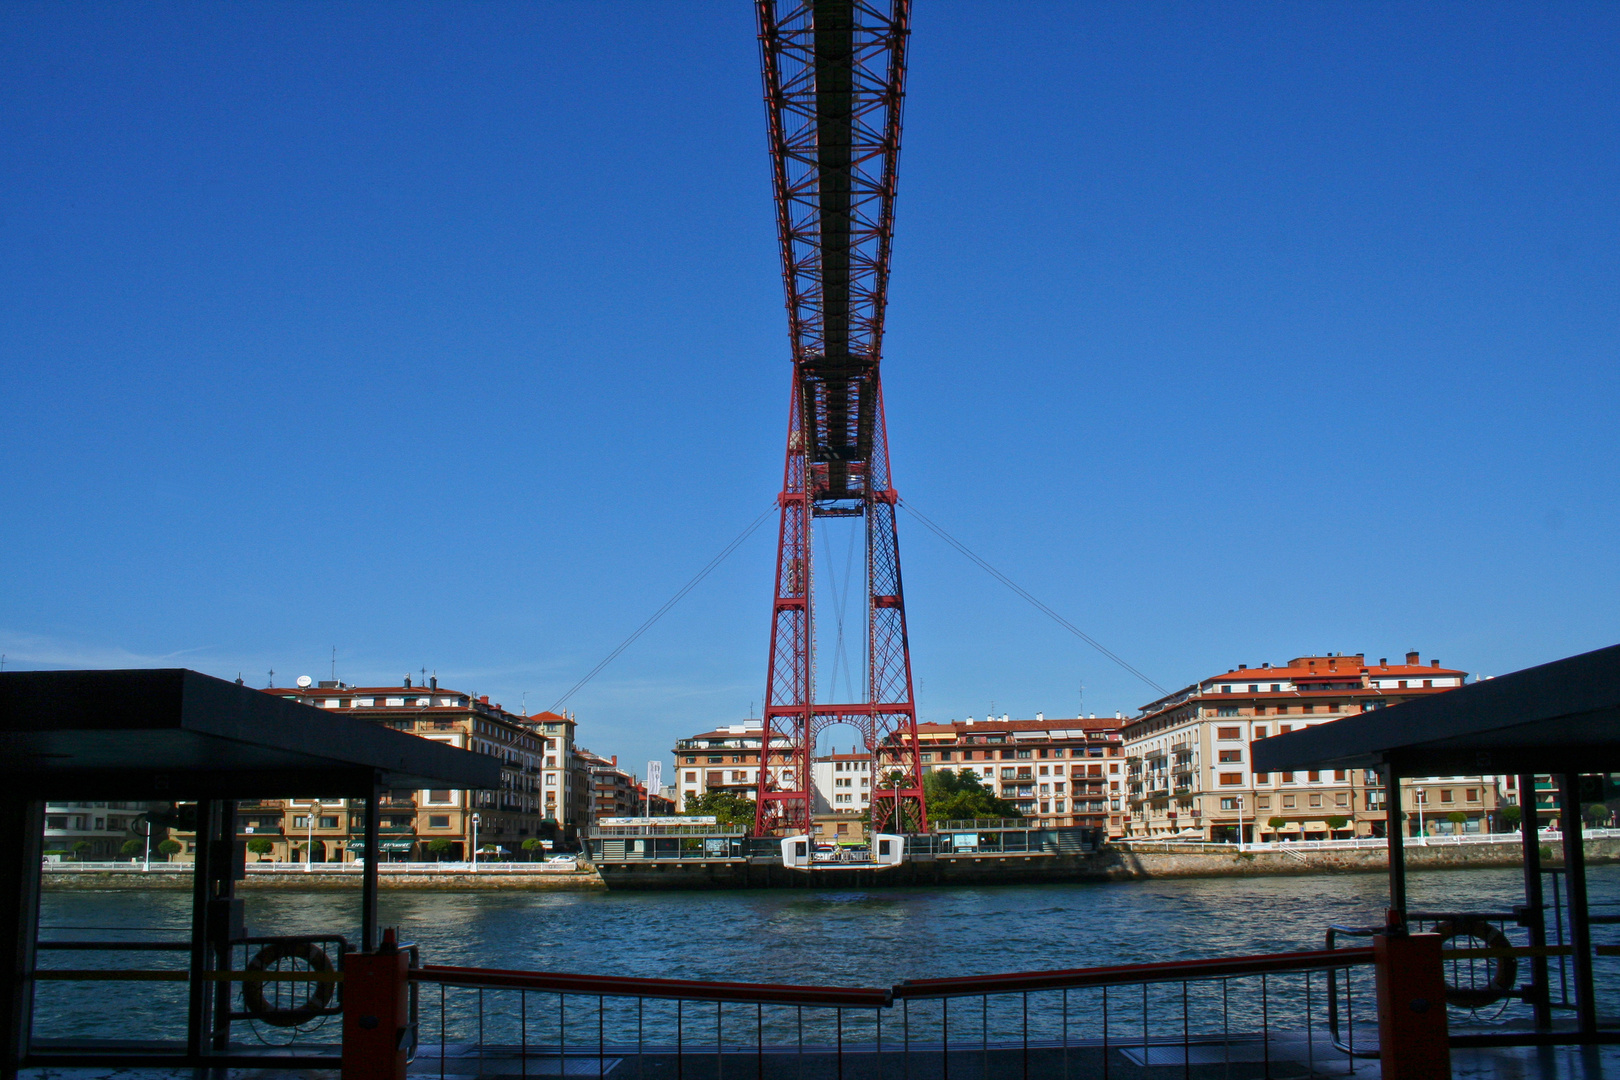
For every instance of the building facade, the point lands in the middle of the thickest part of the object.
(1187, 756)
(103, 828)
(1064, 773)
(535, 799)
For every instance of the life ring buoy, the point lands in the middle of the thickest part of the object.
(1504, 978)
(267, 958)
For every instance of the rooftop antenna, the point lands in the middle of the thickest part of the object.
(1082, 711)
(424, 676)
(334, 663)
(271, 684)
(525, 706)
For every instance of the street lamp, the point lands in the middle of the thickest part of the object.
(145, 820)
(315, 809)
(475, 820)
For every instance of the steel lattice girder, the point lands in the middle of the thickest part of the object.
(834, 75)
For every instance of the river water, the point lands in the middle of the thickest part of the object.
(864, 937)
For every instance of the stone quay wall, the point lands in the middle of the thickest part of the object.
(1140, 861)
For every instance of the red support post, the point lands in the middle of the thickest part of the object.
(376, 1012)
(1413, 1043)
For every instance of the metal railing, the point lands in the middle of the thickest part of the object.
(1267, 1011)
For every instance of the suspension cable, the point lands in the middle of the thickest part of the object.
(671, 602)
(1026, 594)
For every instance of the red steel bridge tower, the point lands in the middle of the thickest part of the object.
(834, 73)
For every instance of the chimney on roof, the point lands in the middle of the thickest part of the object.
(1243, 667)
(1265, 665)
(433, 682)
(1412, 659)
(615, 759)
(1118, 715)
(1039, 717)
(407, 682)
(484, 698)
(1383, 661)
(1434, 663)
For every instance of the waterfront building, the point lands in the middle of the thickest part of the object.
(843, 784)
(1063, 773)
(723, 759)
(1187, 756)
(103, 827)
(614, 792)
(536, 798)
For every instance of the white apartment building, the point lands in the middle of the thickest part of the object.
(1187, 754)
(843, 783)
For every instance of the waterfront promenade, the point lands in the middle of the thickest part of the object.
(1143, 860)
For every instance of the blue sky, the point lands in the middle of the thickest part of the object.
(452, 336)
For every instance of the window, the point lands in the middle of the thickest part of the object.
(1229, 733)
(1226, 688)
(1044, 770)
(1227, 710)
(1313, 777)
(1316, 801)
(1472, 795)
(300, 821)
(1341, 799)
(329, 822)
(1262, 778)
(438, 795)
(1428, 682)
(843, 830)
(1229, 779)
(1310, 708)
(1024, 753)
(1229, 804)
(438, 821)
(1283, 729)
(1231, 755)
(1288, 778)
(1260, 731)
(1288, 802)
(1445, 794)
(715, 759)
(691, 777)
(1401, 684)
(1254, 688)
(1262, 802)
(691, 761)
(1276, 688)
(1338, 776)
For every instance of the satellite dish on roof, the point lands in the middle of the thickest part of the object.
(304, 682)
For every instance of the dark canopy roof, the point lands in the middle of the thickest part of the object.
(178, 734)
(1559, 717)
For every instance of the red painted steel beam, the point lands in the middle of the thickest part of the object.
(1134, 974)
(627, 986)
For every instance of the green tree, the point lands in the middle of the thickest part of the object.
(959, 796)
(532, 845)
(79, 848)
(728, 807)
(1510, 816)
(1457, 819)
(170, 848)
(1337, 822)
(260, 845)
(130, 848)
(1276, 823)
(1598, 812)
(439, 847)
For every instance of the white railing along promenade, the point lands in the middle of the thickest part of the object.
(1548, 836)
(383, 869)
